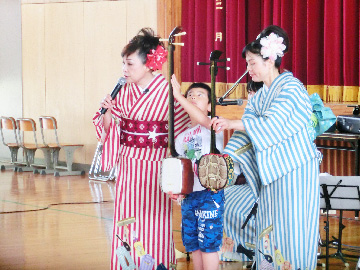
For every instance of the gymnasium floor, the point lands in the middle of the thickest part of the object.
(49, 222)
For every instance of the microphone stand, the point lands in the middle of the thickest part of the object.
(232, 87)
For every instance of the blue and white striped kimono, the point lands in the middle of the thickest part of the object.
(287, 225)
(239, 200)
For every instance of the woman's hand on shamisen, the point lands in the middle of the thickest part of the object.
(219, 124)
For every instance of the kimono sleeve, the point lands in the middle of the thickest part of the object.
(110, 140)
(289, 113)
(246, 161)
(99, 127)
(181, 119)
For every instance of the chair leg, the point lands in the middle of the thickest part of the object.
(48, 162)
(8, 167)
(69, 154)
(69, 150)
(47, 156)
(14, 153)
(55, 155)
(54, 159)
(67, 173)
(24, 169)
(13, 159)
(30, 156)
(29, 160)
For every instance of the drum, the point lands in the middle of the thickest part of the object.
(177, 176)
(215, 171)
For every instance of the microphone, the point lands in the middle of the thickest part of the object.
(232, 87)
(238, 102)
(116, 90)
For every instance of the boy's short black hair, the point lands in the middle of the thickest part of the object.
(200, 85)
(254, 86)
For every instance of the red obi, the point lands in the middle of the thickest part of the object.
(144, 134)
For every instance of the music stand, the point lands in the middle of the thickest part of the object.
(338, 193)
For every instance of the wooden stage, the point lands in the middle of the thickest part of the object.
(66, 223)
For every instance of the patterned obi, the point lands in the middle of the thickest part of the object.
(144, 134)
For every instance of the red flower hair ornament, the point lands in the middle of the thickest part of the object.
(156, 58)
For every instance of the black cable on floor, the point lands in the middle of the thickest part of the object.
(52, 204)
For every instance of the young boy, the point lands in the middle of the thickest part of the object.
(202, 210)
(252, 87)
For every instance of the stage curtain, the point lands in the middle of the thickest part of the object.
(324, 41)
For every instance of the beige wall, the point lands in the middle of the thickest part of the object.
(72, 58)
(10, 66)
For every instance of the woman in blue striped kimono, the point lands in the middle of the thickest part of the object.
(277, 120)
(240, 199)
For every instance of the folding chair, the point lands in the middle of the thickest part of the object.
(28, 125)
(8, 123)
(49, 123)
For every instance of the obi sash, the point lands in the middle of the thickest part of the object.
(144, 134)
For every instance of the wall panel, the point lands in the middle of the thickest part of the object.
(141, 14)
(10, 66)
(104, 32)
(33, 46)
(72, 56)
(32, 1)
(64, 61)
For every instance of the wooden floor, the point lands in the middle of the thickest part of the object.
(66, 222)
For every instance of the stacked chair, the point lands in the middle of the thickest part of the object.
(9, 123)
(48, 124)
(27, 128)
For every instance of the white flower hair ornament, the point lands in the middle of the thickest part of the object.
(272, 46)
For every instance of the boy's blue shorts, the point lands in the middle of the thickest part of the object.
(202, 220)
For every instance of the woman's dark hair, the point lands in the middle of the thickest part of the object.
(200, 85)
(255, 46)
(254, 86)
(143, 42)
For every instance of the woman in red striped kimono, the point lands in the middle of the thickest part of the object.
(134, 130)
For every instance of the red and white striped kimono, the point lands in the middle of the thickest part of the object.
(138, 192)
